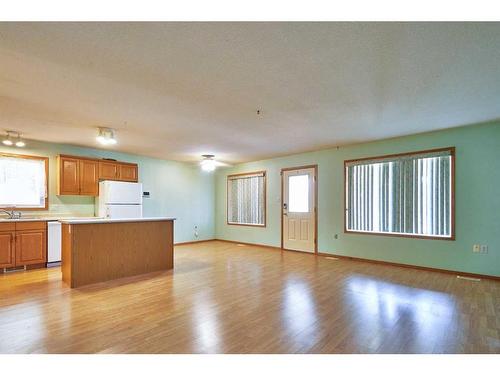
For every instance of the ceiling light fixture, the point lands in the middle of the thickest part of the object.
(19, 141)
(8, 140)
(106, 136)
(208, 163)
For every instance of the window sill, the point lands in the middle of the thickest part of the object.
(403, 235)
(248, 225)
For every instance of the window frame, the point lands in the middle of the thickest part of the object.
(46, 161)
(230, 177)
(451, 150)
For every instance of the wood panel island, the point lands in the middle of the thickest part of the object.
(95, 250)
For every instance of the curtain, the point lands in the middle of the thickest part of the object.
(246, 199)
(22, 182)
(410, 194)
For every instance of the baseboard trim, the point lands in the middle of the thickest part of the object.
(194, 242)
(346, 257)
(404, 265)
(250, 244)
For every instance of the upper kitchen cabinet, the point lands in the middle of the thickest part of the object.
(77, 176)
(109, 170)
(69, 176)
(117, 171)
(81, 176)
(128, 172)
(89, 177)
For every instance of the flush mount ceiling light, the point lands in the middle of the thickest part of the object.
(13, 138)
(106, 136)
(208, 163)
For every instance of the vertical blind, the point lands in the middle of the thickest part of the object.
(246, 199)
(22, 182)
(410, 194)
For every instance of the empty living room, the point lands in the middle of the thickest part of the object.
(275, 186)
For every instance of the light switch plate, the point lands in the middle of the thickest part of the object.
(476, 248)
(484, 249)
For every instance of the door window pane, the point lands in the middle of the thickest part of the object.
(298, 193)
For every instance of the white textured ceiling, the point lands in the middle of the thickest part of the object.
(179, 90)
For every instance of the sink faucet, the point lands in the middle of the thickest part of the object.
(12, 214)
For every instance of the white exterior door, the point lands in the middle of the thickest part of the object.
(299, 209)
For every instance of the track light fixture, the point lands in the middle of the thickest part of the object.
(106, 136)
(13, 138)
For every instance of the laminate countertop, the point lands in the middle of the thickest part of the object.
(106, 221)
(44, 218)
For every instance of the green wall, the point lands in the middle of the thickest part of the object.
(477, 202)
(182, 190)
(177, 189)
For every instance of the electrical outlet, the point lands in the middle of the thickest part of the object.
(476, 248)
(484, 249)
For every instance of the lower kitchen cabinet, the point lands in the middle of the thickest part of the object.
(31, 247)
(7, 249)
(23, 243)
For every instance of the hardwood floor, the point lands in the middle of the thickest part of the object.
(225, 298)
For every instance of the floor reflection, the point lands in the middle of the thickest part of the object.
(25, 325)
(425, 315)
(206, 323)
(299, 310)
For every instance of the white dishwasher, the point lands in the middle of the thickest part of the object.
(53, 242)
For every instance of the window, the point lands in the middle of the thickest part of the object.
(406, 195)
(246, 199)
(298, 193)
(23, 182)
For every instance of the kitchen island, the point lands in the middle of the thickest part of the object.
(96, 250)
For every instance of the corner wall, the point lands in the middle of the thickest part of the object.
(477, 202)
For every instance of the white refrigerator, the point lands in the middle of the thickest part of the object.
(119, 200)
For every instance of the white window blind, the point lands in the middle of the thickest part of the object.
(246, 199)
(408, 195)
(22, 182)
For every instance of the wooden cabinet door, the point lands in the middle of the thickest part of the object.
(7, 249)
(69, 178)
(89, 177)
(128, 172)
(31, 247)
(108, 170)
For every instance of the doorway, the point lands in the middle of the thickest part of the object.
(299, 208)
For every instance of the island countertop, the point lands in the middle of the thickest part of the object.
(100, 220)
